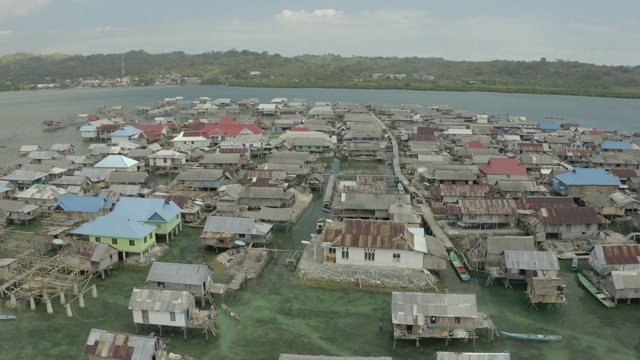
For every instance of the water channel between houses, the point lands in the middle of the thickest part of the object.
(282, 314)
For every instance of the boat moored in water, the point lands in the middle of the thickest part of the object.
(459, 266)
(595, 292)
(533, 337)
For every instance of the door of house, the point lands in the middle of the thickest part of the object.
(145, 316)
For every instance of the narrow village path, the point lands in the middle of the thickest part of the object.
(427, 214)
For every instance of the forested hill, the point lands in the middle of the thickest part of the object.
(246, 68)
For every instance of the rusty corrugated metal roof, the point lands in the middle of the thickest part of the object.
(621, 254)
(571, 216)
(368, 234)
(462, 190)
(487, 207)
(120, 346)
(539, 202)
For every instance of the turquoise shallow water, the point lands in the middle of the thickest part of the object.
(281, 314)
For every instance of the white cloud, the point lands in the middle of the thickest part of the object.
(319, 16)
(5, 33)
(10, 8)
(109, 28)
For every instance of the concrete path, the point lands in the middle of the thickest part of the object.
(427, 214)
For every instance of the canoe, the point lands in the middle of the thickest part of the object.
(595, 292)
(533, 337)
(231, 312)
(574, 263)
(457, 264)
(7, 317)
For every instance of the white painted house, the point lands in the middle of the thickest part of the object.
(381, 243)
(162, 307)
(167, 160)
(192, 139)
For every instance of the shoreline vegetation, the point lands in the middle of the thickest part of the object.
(252, 69)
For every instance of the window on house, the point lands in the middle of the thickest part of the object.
(588, 226)
(172, 316)
(98, 239)
(114, 241)
(332, 251)
(568, 227)
(396, 258)
(472, 216)
(241, 236)
(345, 253)
(369, 254)
(145, 239)
(132, 243)
(457, 320)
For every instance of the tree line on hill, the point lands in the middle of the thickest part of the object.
(246, 68)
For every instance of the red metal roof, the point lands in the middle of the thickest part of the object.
(228, 126)
(475, 144)
(299, 129)
(503, 166)
(150, 135)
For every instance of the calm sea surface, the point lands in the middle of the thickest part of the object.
(279, 313)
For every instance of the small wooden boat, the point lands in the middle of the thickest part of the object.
(574, 263)
(231, 312)
(457, 264)
(533, 337)
(325, 209)
(595, 292)
(7, 317)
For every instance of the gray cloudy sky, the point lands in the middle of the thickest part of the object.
(600, 32)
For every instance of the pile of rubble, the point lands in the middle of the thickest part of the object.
(249, 261)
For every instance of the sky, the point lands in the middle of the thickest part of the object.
(591, 31)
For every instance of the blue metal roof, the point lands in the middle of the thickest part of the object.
(549, 126)
(616, 145)
(4, 189)
(126, 131)
(146, 209)
(116, 162)
(586, 176)
(88, 128)
(89, 204)
(113, 226)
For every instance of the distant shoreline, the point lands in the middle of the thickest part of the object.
(373, 86)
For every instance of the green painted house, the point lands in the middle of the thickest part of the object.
(164, 215)
(126, 235)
